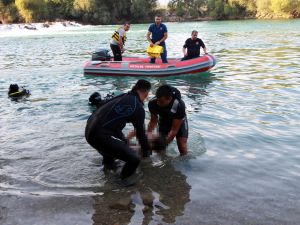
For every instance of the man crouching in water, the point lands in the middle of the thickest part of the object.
(104, 130)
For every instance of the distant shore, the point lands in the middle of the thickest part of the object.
(67, 23)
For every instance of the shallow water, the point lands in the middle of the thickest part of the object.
(243, 166)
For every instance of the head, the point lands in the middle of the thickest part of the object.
(95, 98)
(142, 87)
(164, 95)
(158, 19)
(126, 26)
(13, 88)
(194, 34)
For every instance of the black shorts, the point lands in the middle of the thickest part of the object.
(165, 128)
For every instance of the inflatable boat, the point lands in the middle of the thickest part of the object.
(136, 66)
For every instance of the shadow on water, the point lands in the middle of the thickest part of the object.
(158, 198)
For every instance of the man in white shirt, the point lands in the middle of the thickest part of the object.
(118, 41)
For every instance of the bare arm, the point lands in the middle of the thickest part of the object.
(131, 134)
(152, 123)
(205, 50)
(120, 42)
(148, 38)
(174, 130)
(151, 126)
(163, 39)
(184, 51)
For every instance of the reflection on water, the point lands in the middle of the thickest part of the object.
(158, 198)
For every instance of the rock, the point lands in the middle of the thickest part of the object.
(123, 203)
(146, 209)
(147, 199)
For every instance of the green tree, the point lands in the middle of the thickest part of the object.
(32, 10)
(216, 9)
(142, 10)
(8, 11)
(263, 8)
(60, 9)
(249, 5)
(285, 6)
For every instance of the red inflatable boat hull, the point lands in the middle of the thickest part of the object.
(135, 66)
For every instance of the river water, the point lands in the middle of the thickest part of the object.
(243, 165)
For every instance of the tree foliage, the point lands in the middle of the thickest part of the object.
(32, 10)
(112, 11)
(8, 11)
(228, 9)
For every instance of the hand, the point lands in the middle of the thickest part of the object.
(130, 135)
(185, 54)
(151, 44)
(157, 43)
(206, 53)
(151, 135)
(122, 50)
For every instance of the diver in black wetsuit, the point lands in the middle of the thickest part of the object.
(104, 128)
(16, 92)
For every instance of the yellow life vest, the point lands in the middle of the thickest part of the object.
(116, 36)
(155, 51)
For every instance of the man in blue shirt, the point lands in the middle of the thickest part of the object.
(158, 33)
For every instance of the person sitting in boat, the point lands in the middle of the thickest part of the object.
(104, 130)
(159, 33)
(191, 48)
(15, 92)
(167, 109)
(118, 41)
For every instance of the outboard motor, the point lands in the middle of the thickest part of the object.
(101, 55)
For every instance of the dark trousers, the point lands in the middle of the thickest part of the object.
(112, 148)
(189, 57)
(116, 52)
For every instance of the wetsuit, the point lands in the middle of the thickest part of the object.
(104, 131)
(175, 110)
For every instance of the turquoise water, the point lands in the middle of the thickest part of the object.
(244, 160)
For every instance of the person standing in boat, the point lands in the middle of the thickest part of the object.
(159, 33)
(191, 48)
(118, 41)
(167, 110)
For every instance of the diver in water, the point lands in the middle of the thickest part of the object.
(104, 130)
(96, 100)
(15, 92)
